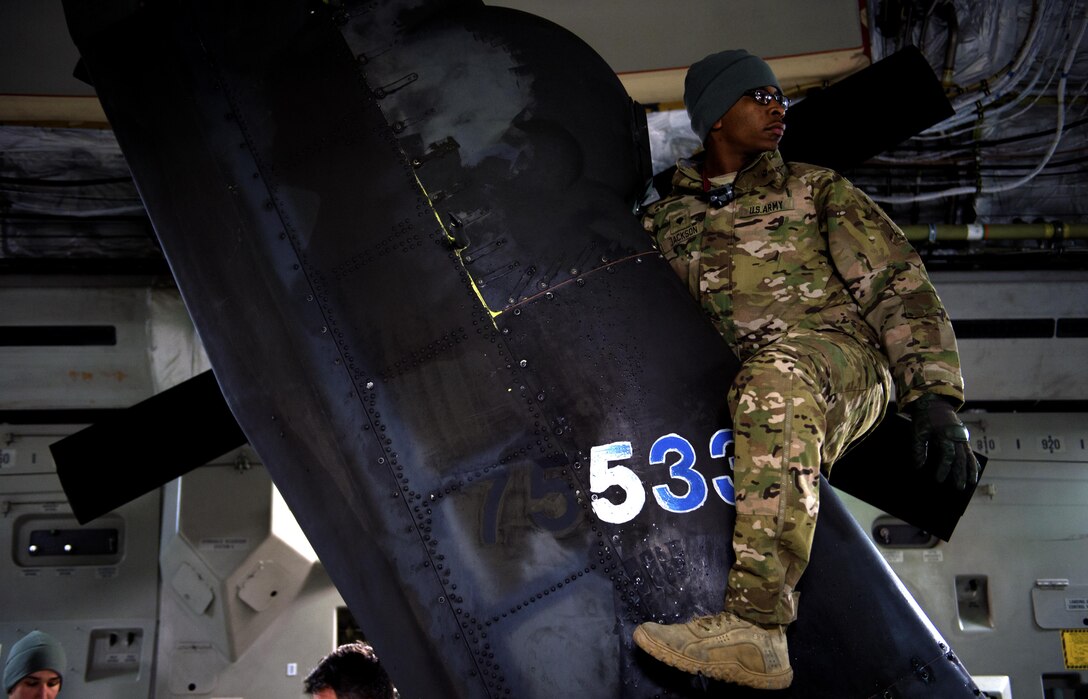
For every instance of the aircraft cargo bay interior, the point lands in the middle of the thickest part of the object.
(538, 347)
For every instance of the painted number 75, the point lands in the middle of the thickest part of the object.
(605, 472)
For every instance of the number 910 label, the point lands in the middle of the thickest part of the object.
(673, 450)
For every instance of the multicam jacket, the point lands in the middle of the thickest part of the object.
(800, 247)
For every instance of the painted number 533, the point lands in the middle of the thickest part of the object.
(687, 494)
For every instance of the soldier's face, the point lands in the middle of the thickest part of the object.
(44, 684)
(749, 128)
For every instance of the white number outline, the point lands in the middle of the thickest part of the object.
(719, 444)
(602, 476)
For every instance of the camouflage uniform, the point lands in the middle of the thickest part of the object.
(823, 300)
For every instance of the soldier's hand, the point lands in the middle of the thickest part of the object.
(942, 440)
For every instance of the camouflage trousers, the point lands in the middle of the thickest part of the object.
(796, 405)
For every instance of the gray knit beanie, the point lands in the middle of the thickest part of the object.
(714, 84)
(32, 653)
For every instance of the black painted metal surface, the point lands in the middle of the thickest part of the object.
(403, 231)
(184, 426)
(881, 471)
(902, 88)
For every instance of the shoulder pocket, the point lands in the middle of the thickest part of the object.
(921, 304)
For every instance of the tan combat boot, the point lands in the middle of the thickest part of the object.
(723, 647)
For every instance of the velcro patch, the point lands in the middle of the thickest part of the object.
(683, 235)
(764, 208)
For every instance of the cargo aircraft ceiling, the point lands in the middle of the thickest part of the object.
(1001, 184)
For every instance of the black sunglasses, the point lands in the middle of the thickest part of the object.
(764, 97)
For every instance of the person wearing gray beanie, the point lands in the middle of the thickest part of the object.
(714, 84)
(34, 668)
(827, 306)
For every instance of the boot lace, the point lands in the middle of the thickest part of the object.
(713, 622)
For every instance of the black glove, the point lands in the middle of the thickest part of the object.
(937, 429)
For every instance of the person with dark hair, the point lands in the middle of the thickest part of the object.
(352, 671)
(828, 307)
(35, 667)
